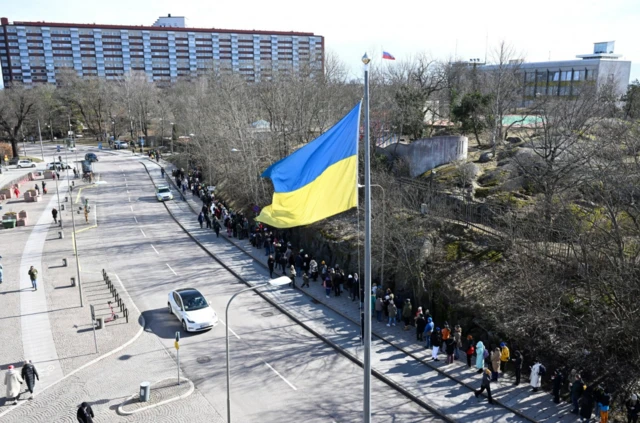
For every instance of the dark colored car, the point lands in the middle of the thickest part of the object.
(91, 157)
(14, 160)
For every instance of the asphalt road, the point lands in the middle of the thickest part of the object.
(280, 372)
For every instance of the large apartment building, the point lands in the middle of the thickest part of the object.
(35, 52)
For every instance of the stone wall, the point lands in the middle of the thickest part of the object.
(425, 154)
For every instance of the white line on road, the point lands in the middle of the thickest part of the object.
(131, 208)
(230, 330)
(135, 218)
(154, 249)
(281, 377)
(129, 199)
(174, 272)
(143, 234)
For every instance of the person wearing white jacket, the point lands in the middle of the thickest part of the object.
(13, 381)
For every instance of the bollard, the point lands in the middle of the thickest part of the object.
(145, 391)
(66, 199)
(64, 262)
(73, 281)
(99, 323)
(126, 314)
(60, 235)
(62, 209)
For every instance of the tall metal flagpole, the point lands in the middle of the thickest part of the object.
(367, 247)
(40, 135)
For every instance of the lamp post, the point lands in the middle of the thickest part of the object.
(40, 135)
(172, 129)
(281, 281)
(113, 125)
(57, 190)
(73, 224)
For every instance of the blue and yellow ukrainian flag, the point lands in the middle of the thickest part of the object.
(318, 180)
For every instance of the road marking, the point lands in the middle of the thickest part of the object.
(154, 249)
(131, 206)
(174, 272)
(128, 192)
(130, 201)
(143, 234)
(230, 330)
(135, 218)
(281, 377)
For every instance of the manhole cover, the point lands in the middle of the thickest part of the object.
(267, 314)
(204, 359)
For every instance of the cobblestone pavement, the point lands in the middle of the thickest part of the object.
(105, 388)
(531, 406)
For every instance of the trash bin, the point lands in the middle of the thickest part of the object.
(8, 224)
(145, 391)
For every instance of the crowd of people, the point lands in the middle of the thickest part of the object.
(387, 308)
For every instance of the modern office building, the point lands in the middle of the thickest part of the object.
(35, 52)
(570, 77)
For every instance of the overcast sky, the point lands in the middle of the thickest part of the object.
(540, 29)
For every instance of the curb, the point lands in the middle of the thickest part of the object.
(121, 412)
(351, 357)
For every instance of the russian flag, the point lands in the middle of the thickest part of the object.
(388, 56)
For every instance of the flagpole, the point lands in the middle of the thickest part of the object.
(367, 248)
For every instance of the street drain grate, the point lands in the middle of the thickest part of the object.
(204, 359)
(267, 314)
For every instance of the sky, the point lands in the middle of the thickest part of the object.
(537, 30)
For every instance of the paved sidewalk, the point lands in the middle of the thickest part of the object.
(530, 406)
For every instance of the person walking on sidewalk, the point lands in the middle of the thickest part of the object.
(485, 385)
(428, 331)
(292, 271)
(162, 172)
(327, 285)
(201, 219)
(33, 275)
(495, 364)
(54, 213)
(271, 263)
(457, 336)
(29, 375)
(305, 280)
(421, 323)
(379, 307)
(450, 347)
(13, 381)
(216, 227)
(633, 409)
(85, 413)
(557, 379)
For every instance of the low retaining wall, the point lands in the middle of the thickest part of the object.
(425, 154)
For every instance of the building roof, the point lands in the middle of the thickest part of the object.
(158, 28)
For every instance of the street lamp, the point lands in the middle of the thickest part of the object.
(172, 136)
(281, 281)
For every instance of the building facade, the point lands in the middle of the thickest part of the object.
(571, 77)
(35, 52)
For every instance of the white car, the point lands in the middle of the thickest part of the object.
(25, 163)
(192, 309)
(163, 192)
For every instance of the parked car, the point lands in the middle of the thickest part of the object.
(25, 163)
(55, 165)
(163, 192)
(192, 309)
(91, 157)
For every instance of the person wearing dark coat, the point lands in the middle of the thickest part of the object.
(577, 388)
(85, 413)
(518, 366)
(421, 323)
(271, 263)
(450, 347)
(633, 409)
(558, 379)
(586, 405)
(29, 375)
(486, 385)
